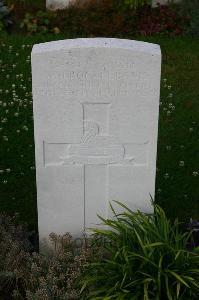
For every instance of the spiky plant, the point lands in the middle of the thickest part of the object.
(146, 258)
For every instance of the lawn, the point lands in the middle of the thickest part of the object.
(177, 181)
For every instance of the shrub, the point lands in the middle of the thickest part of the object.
(101, 18)
(15, 248)
(164, 20)
(146, 258)
(191, 8)
(55, 275)
(5, 20)
(96, 18)
(25, 274)
(38, 23)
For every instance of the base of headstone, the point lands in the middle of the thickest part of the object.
(57, 4)
(163, 2)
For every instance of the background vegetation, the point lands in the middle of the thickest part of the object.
(177, 164)
(161, 267)
(178, 161)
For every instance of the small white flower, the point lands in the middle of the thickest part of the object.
(25, 128)
(166, 175)
(181, 163)
(168, 147)
(195, 173)
(168, 113)
(5, 138)
(4, 120)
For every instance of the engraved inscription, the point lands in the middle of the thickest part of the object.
(118, 82)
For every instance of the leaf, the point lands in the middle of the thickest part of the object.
(178, 290)
(154, 244)
(178, 277)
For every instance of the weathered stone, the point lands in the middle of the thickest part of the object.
(164, 2)
(57, 4)
(96, 104)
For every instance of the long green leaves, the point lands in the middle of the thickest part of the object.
(145, 258)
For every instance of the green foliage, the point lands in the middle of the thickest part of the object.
(135, 3)
(5, 20)
(37, 24)
(177, 162)
(146, 258)
(191, 8)
(25, 2)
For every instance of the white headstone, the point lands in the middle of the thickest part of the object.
(57, 4)
(96, 105)
(164, 2)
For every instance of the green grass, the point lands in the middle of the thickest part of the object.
(146, 258)
(178, 143)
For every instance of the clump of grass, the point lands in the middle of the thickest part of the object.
(146, 258)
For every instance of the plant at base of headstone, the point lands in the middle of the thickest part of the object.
(56, 274)
(146, 258)
(193, 226)
(15, 248)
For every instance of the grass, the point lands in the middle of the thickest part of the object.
(146, 258)
(178, 160)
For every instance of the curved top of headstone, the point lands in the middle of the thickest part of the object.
(97, 43)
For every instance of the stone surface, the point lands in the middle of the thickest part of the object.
(96, 105)
(162, 2)
(57, 4)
